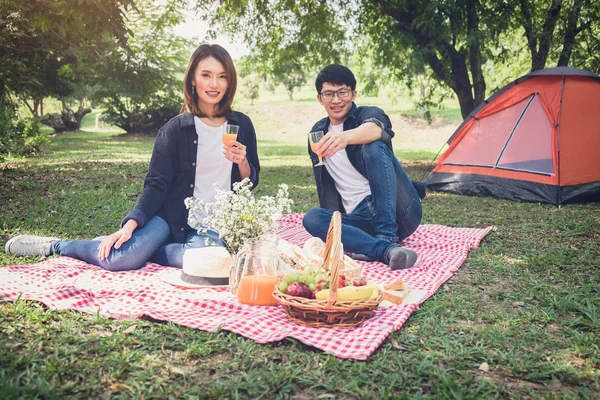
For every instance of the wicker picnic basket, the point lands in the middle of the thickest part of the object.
(330, 312)
(350, 271)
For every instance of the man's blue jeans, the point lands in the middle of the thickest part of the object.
(391, 213)
(150, 243)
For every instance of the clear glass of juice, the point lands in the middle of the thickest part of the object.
(314, 138)
(230, 134)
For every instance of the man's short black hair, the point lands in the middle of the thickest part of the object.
(336, 74)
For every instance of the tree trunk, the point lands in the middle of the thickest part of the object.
(54, 121)
(81, 112)
(68, 120)
(465, 99)
(538, 61)
(72, 119)
(456, 75)
(570, 33)
(31, 109)
(527, 23)
(459, 80)
(422, 99)
(37, 103)
(479, 86)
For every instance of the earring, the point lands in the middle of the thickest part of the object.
(194, 89)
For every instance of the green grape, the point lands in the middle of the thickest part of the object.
(312, 287)
(288, 279)
(283, 286)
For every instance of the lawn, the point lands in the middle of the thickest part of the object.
(526, 302)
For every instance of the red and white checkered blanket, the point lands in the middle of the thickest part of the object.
(66, 283)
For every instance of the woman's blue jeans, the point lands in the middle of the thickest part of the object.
(150, 243)
(391, 213)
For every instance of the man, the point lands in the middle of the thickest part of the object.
(361, 177)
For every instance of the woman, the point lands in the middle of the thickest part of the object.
(187, 160)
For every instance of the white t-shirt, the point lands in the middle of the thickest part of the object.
(211, 165)
(351, 185)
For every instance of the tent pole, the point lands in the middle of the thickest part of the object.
(559, 191)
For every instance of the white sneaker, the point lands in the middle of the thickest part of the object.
(30, 245)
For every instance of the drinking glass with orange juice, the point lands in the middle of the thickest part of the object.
(253, 274)
(230, 134)
(314, 138)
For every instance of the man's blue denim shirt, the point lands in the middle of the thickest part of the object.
(329, 197)
(172, 172)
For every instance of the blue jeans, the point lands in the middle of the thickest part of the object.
(150, 243)
(391, 213)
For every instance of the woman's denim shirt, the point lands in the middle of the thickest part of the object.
(329, 197)
(172, 172)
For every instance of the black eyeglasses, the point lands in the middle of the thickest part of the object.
(341, 93)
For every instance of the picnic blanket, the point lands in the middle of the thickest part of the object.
(66, 283)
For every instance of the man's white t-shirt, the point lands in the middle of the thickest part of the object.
(211, 165)
(351, 185)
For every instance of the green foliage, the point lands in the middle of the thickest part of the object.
(144, 114)
(304, 32)
(287, 38)
(290, 75)
(33, 141)
(455, 43)
(396, 81)
(586, 49)
(141, 87)
(250, 87)
(19, 136)
(7, 126)
(39, 38)
(275, 70)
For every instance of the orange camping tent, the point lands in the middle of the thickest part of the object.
(537, 139)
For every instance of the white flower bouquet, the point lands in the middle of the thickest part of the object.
(237, 215)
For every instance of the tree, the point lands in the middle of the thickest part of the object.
(585, 52)
(44, 45)
(251, 87)
(290, 75)
(286, 37)
(276, 69)
(454, 39)
(39, 37)
(141, 86)
(447, 37)
(551, 28)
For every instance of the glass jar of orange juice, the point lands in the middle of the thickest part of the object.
(253, 274)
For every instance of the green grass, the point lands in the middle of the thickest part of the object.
(527, 301)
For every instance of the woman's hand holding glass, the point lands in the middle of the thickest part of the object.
(234, 151)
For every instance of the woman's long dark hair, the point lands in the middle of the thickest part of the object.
(191, 100)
